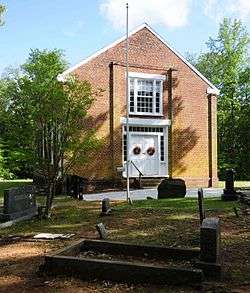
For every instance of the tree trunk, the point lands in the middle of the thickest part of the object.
(49, 200)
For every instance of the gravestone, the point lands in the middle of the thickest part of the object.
(171, 188)
(210, 240)
(201, 205)
(19, 202)
(106, 210)
(229, 192)
(103, 233)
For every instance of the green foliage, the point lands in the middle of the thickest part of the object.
(2, 10)
(16, 152)
(227, 65)
(47, 117)
(4, 171)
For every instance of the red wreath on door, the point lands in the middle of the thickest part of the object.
(137, 150)
(151, 151)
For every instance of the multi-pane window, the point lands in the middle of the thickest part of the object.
(132, 96)
(162, 148)
(125, 147)
(144, 129)
(157, 96)
(145, 96)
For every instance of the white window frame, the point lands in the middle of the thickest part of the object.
(154, 78)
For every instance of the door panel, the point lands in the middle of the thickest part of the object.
(144, 152)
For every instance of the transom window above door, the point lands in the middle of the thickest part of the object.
(145, 93)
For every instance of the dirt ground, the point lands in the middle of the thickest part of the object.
(20, 261)
(143, 223)
(19, 273)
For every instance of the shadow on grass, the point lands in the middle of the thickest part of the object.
(166, 221)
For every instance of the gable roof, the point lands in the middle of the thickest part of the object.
(144, 25)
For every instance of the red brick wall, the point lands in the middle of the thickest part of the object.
(190, 103)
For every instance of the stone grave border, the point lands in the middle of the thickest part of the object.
(67, 262)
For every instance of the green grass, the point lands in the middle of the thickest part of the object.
(221, 184)
(5, 184)
(72, 216)
(176, 204)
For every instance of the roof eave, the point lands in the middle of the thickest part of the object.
(144, 25)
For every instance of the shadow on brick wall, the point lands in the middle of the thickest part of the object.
(184, 139)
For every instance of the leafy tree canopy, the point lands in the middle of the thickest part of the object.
(47, 117)
(2, 10)
(227, 65)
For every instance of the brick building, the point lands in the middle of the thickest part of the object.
(172, 120)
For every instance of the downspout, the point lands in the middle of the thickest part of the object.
(210, 153)
(212, 93)
(111, 120)
(170, 117)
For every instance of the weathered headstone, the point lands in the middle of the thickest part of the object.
(19, 202)
(171, 188)
(201, 205)
(103, 233)
(210, 240)
(106, 210)
(229, 192)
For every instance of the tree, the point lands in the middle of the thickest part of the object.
(226, 64)
(48, 117)
(2, 10)
(16, 162)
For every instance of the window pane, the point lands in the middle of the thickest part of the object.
(145, 96)
(162, 148)
(131, 95)
(148, 92)
(125, 147)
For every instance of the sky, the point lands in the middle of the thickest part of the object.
(82, 27)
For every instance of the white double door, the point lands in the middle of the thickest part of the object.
(144, 153)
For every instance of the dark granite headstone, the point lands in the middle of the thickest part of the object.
(171, 188)
(201, 205)
(19, 202)
(103, 233)
(210, 240)
(229, 192)
(106, 210)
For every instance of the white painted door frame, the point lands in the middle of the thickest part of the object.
(155, 123)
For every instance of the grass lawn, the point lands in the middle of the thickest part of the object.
(221, 184)
(172, 222)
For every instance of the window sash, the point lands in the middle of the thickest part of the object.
(135, 98)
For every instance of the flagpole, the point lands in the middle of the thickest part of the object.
(127, 103)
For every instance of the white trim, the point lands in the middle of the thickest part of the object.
(162, 165)
(146, 75)
(213, 91)
(147, 122)
(144, 25)
(153, 77)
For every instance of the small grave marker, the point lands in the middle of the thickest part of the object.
(201, 205)
(103, 233)
(229, 192)
(210, 240)
(106, 210)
